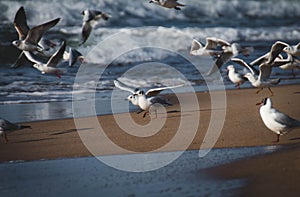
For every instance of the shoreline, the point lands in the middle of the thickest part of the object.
(46, 137)
(58, 141)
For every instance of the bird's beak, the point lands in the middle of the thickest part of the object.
(258, 103)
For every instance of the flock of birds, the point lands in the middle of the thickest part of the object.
(36, 49)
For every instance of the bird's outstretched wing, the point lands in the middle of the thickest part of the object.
(36, 33)
(127, 88)
(20, 23)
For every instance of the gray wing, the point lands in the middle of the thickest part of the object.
(260, 60)
(86, 31)
(158, 100)
(298, 46)
(57, 56)
(20, 23)
(36, 33)
(243, 63)
(211, 43)
(127, 88)
(265, 71)
(276, 49)
(6, 125)
(196, 45)
(285, 119)
(156, 91)
(20, 61)
(74, 54)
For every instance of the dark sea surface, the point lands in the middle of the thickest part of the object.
(141, 44)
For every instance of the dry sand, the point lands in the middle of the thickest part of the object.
(242, 127)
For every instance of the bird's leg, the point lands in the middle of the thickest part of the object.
(272, 94)
(293, 73)
(278, 135)
(145, 114)
(140, 111)
(259, 90)
(58, 75)
(5, 138)
(155, 113)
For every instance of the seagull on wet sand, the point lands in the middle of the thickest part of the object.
(235, 77)
(146, 102)
(144, 99)
(150, 92)
(168, 3)
(29, 38)
(50, 66)
(275, 120)
(90, 19)
(262, 80)
(7, 127)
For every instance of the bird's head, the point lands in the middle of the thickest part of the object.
(16, 43)
(264, 101)
(154, 1)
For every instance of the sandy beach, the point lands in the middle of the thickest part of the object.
(243, 127)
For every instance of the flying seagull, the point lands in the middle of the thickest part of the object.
(90, 19)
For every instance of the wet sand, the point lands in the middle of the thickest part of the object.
(242, 127)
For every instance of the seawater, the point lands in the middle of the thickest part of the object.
(141, 44)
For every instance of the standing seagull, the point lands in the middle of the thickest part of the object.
(29, 38)
(6, 127)
(276, 121)
(142, 99)
(167, 3)
(145, 103)
(50, 66)
(90, 19)
(262, 80)
(150, 92)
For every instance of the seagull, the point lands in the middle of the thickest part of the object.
(290, 63)
(229, 50)
(6, 127)
(29, 38)
(235, 77)
(209, 49)
(146, 102)
(293, 50)
(90, 19)
(150, 92)
(275, 120)
(73, 56)
(20, 23)
(50, 66)
(168, 3)
(262, 80)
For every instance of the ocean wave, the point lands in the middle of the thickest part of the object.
(141, 13)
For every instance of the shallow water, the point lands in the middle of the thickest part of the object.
(88, 176)
(149, 46)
